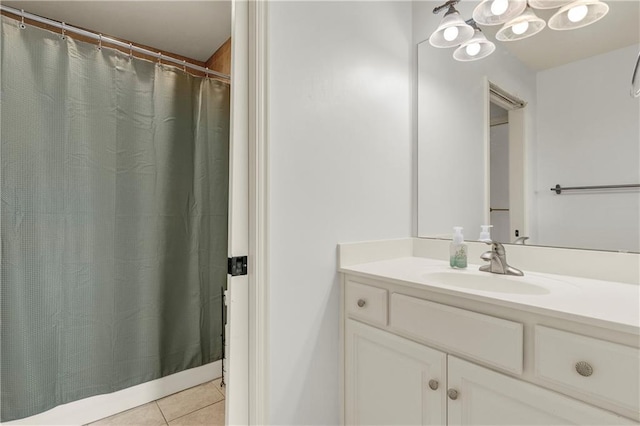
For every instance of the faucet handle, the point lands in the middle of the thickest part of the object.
(496, 248)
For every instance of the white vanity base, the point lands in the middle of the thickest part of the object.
(422, 352)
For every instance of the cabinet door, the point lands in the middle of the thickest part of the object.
(485, 397)
(387, 379)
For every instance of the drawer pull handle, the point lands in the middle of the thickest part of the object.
(453, 394)
(584, 368)
(361, 303)
(433, 384)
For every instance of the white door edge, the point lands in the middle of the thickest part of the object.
(237, 296)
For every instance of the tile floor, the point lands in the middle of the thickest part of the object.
(200, 405)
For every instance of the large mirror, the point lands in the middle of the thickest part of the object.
(495, 135)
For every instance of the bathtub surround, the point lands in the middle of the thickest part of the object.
(114, 220)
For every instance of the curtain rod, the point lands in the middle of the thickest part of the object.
(100, 37)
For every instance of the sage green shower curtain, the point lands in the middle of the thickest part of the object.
(114, 220)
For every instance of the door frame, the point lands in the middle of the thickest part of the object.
(248, 296)
(258, 214)
(517, 163)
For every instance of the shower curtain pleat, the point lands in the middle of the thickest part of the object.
(114, 220)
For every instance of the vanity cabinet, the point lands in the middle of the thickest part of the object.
(412, 361)
(392, 380)
(485, 397)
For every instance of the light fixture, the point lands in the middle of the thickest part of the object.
(548, 4)
(521, 27)
(578, 14)
(452, 30)
(477, 47)
(496, 12)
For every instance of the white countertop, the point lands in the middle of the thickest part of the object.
(605, 304)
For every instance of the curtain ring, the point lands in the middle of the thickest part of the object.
(160, 58)
(99, 41)
(206, 72)
(22, 25)
(184, 65)
(130, 51)
(62, 35)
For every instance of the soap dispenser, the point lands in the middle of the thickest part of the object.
(458, 249)
(485, 235)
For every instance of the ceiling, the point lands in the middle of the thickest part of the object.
(550, 48)
(195, 29)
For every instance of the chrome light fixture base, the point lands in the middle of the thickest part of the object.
(578, 14)
(453, 30)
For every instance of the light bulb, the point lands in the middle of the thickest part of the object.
(577, 13)
(473, 49)
(450, 33)
(498, 7)
(520, 27)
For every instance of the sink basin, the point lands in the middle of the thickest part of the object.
(488, 282)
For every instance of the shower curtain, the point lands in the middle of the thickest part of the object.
(114, 220)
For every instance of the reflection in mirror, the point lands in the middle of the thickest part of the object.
(499, 216)
(480, 162)
(506, 165)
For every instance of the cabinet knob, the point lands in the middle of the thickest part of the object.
(433, 384)
(361, 302)
(584, 368)
(453, 394)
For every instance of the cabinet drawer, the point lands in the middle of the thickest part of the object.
(491, 340)
(366, 302)
(608, 371)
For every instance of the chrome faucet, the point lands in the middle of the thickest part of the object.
(520, 240)
(498, 261)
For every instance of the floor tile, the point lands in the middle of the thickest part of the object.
(222, 389)
(213, 415)
(189, 400)
(144, 415)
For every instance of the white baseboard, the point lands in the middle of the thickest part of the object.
(100, 406)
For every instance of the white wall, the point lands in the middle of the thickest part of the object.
(589, 134)
(340, 156)
(452, 126)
